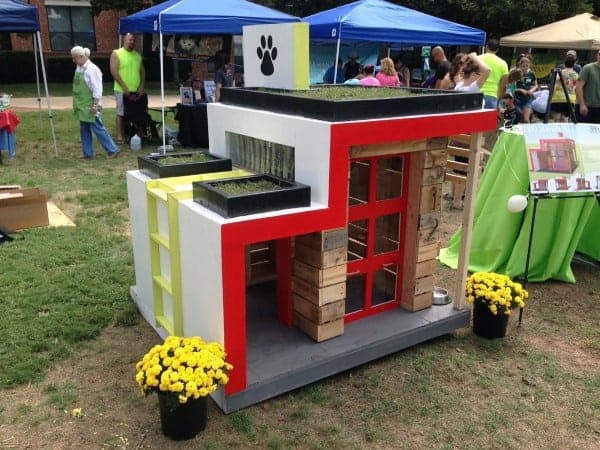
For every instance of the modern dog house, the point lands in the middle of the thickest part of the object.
(351, 271)
(316, 252)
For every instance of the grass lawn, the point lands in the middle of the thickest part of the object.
(71, 336)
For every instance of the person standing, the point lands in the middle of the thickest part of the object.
(498, 69)
(587, 91)
(454, 75)
(403, 72)
(352, 67)
(560, 98)
(332, 76)
(224, 76)
(525, 87)
(576, 67)
(129, 74)
(87, 104)
(474, 74)
(442, 65)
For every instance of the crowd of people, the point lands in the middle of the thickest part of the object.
(515, 93)
(129, 75)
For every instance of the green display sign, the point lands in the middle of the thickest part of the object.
(426, 51)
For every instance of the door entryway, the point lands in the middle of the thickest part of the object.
(377, 199)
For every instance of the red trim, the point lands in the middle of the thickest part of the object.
(411, 128)
(283, 248)
(234, 310)
(372, 262)
(235, 236)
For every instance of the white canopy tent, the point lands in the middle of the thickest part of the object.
(580, 32)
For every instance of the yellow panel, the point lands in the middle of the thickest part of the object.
(172, 191)
(301, 56)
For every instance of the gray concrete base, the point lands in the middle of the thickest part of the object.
(280, 359)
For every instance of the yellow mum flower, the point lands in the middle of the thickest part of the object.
(186, 367)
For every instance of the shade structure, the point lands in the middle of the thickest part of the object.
(16, 16)
(206, 17)
(201, 17)
(578, 32)
(19, 17)
(382, 21)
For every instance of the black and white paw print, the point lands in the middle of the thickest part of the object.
(267, 53)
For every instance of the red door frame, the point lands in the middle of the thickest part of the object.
(371, 263)
(236, 235)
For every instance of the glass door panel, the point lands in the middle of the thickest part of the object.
(376, 212)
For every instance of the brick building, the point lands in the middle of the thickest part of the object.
(65, 23)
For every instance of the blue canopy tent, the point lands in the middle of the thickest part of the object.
(16, 17)
(382, 21)
(19, 17)
(208, 17)
(201, 17)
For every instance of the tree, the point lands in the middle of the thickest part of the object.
(130, 6)
(495, 17)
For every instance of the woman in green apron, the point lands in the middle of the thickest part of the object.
(87, 106)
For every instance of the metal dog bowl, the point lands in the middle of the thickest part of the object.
(440, 296)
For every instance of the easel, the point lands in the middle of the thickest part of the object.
(536, 198)
(557, 72)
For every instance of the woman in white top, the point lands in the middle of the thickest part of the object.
(475, 71)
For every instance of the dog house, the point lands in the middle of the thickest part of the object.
(353, 268)
(554, 155)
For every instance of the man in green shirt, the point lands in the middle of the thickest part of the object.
(128, 72)
(587, 91)
(498, 69)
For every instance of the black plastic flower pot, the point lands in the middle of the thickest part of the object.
(409, 102)
(486, 324)
(284, 194)
(180, 421)
(153, 165)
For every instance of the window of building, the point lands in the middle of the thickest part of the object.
(70, 26)
(5, 41)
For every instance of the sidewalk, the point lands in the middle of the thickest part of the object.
(57, 103)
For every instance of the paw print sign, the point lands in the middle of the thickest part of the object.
(276, 56)
(267, 54)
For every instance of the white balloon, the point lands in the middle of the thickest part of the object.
(517, 203)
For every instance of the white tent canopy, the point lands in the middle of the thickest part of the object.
(581, 32)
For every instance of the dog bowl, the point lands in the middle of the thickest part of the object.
(440, 296)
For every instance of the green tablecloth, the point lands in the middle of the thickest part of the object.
(500, 238)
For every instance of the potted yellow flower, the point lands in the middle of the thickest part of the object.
(183, 371)
(493, 296)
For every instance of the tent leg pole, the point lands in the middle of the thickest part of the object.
(39, 40)
(37, 81)
(337, 57)
(162, 93)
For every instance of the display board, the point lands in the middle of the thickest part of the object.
(563, 157)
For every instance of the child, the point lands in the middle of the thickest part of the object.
(510, 115)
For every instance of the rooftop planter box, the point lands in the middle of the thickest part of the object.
(181, 163)
(343, 103)
(235, 197)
